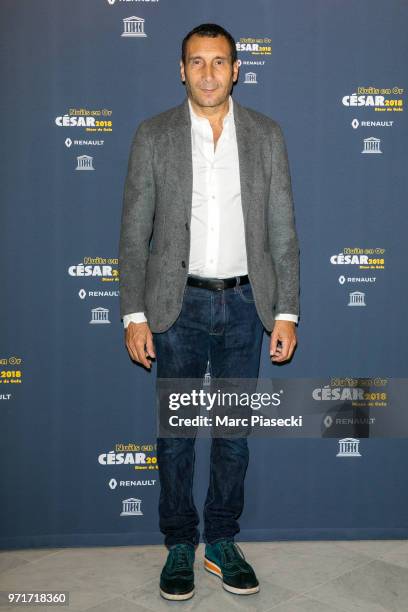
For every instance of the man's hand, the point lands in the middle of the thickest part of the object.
(139, 343)
(285, 331)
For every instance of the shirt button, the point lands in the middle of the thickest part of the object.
(186, 226)
(213, 197)
(183, 264)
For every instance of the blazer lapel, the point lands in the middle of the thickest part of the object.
(246, 142)
(181, 154)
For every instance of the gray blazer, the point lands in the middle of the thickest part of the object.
(155, 228)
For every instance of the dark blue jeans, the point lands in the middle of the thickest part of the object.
(224, 328)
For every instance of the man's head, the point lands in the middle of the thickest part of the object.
(208, 64)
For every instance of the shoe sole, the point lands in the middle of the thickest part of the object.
(178, 596)
(213, 568)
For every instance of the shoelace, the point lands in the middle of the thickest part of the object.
(232, 551)
(181, 558)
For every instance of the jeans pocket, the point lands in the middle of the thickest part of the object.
(245, 293)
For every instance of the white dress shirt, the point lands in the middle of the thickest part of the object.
(217, 246)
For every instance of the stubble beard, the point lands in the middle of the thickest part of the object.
(201, 100)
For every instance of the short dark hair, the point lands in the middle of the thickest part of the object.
(212, 30)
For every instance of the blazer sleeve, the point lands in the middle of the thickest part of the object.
(282, 235)
(136, 222)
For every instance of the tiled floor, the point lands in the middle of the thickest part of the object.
(363, 576)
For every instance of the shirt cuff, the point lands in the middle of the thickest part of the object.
(287, 317)
(134, 317)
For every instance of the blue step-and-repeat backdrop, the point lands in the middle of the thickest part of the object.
(77, 416)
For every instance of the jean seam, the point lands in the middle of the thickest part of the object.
(211, 483)
(191, 485)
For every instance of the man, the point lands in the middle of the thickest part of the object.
(208, 258)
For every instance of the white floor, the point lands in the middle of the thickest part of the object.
(358, 576)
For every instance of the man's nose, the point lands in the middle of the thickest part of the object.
(208, 72)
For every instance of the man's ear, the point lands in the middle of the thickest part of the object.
(235, 71)
(182, 74)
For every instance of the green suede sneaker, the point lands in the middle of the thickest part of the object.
(177, 576)
(226, 560)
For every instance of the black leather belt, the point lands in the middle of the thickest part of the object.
(217, 284)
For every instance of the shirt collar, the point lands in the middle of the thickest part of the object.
(227, 118)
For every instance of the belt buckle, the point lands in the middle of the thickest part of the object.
(219, 284)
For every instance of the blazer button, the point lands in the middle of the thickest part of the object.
(183, 263)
